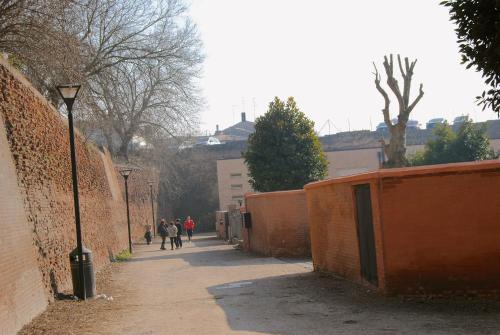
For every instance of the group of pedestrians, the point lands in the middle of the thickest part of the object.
(174, 231)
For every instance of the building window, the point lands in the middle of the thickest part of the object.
(235, 175)
(238, 199)
(236, 186)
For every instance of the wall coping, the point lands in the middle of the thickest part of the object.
(273, 194)
(409, 172)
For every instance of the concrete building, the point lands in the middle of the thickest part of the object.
(232, 174)
(232, 180)
(347, 154)
(237, 132)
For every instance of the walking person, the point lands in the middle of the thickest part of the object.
(162, 230)
(178, 242)
(172, 233)
(189, 226)
(147, 235)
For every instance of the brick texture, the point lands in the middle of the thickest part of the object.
(279, 224)
(334, 238)
(38, 142)
(441, 230)
(436, 228)
(20, 277)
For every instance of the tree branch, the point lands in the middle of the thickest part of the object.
(417, 99)
(387, 101)
(392, 82)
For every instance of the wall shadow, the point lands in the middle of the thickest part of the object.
(206, 252)
(315, 304)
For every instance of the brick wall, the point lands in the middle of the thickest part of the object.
(332, 220)
(279, 224)
(139, 200)
(441, 228)
(39, 218)
(436, 227)
(20, 277)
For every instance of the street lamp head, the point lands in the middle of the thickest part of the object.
(125, 173)
(69, 92)
(150, 183)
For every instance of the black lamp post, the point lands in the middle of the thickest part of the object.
(69, 92)
(125, 174)
(152, 208)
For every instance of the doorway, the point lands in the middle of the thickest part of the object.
(366, 236)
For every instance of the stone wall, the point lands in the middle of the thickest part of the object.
(36, 208)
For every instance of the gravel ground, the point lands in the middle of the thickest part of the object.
(210, 288)
(68, 316)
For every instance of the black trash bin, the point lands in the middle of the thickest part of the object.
(88, 273)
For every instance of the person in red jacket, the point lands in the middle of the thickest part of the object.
(189, 227)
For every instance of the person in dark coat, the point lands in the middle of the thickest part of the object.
(162, 230)
(178, 241)
(148, 235)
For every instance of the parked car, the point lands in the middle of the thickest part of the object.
(460, 119)
(432, 123)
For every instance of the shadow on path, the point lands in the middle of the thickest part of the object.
(301, 302)
(203, 251)
(313, 304)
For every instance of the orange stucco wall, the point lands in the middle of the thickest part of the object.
(332, 220)
(279, 224)
(436, 227)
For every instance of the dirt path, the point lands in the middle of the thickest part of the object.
(210, 288)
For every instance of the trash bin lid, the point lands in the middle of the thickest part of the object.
(85, 251)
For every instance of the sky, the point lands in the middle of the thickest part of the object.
(321, 52)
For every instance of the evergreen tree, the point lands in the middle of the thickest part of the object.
(284, 153)
(478, 32)
(469, 144)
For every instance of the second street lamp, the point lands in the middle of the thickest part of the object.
(125, 174)
(69, 92)
(152, 208)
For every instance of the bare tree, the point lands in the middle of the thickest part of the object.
(118, 31)
(144, 99)
(396, 149)
(11, 19)
(138, 60)
(74, 40)
(44, 44)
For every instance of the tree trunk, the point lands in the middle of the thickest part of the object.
(109, 140)
(396, 149)
(123, 149)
